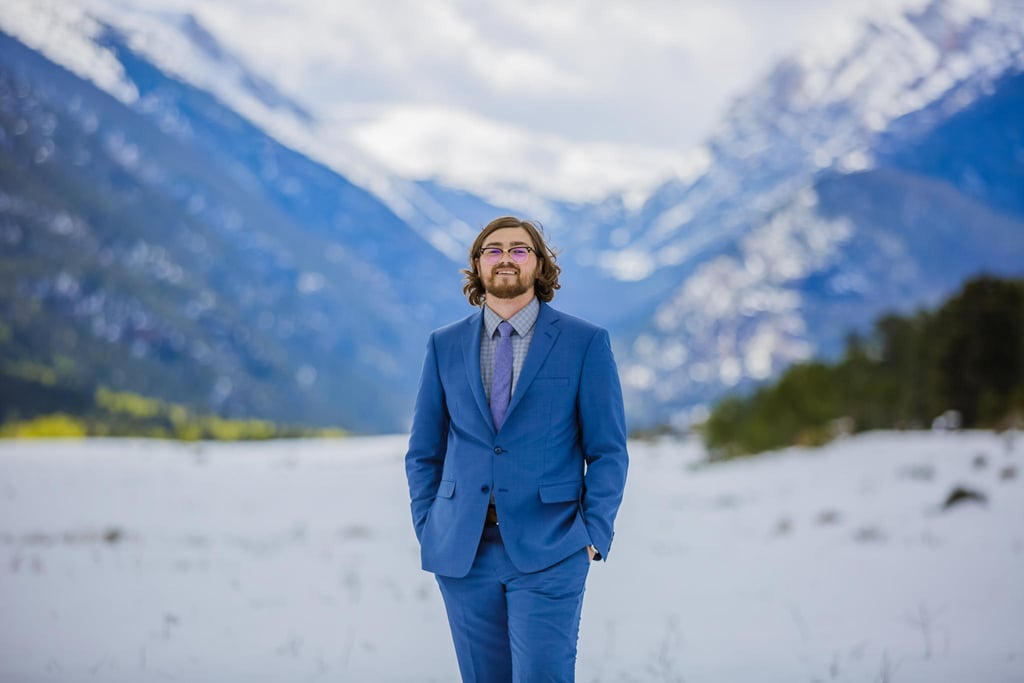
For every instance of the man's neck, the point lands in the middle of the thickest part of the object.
(506, 308)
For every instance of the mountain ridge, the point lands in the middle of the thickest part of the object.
(233, 269)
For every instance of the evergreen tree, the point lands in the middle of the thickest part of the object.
(977, 339)
(968, 356)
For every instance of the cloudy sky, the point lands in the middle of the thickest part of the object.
(578, 97)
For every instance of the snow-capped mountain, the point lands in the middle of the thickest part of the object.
(874, 173)
(779, 248)
(826, 109)
(178, 45)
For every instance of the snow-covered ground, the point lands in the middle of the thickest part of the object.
(128, 560)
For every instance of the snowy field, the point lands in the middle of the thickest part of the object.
(128, 560)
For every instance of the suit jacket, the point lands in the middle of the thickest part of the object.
(557, 468)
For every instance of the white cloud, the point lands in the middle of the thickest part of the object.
(579, 97)
(649, 72)
(463, 149)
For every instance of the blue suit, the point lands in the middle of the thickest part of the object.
(556, 469)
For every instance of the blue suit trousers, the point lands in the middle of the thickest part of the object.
(514, 627)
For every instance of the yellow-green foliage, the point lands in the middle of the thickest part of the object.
(177, 414)
(184, 425)
(112, 413)
(329, 433)
(187, 431)
(55, 425)
(237, 430)
(65, 366)
(33, 372)
(189, 427)
(127, 403)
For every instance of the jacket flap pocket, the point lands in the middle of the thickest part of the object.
(560, 493)
(446, 489)
(551, 381)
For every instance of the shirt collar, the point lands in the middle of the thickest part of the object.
(521, 322)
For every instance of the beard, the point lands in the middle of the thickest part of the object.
(506, 289)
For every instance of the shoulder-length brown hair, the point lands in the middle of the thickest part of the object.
(547, 269)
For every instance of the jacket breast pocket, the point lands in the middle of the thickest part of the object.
(565, 492)
(551, 382)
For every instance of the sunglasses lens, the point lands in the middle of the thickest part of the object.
(493, 255)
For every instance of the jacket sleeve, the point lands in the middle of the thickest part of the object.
(603, 436)
(424, 460)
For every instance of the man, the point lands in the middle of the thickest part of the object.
(516, 463)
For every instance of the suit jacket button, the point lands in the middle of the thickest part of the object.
(498, 450)
(485, 488)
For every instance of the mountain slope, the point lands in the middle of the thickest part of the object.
(838, 190)
(172, 248)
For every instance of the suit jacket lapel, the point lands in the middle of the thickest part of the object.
(471, 359)
(544, 335)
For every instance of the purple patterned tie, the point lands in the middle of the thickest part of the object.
(501, 385)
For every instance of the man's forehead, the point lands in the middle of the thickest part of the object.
(507, 236)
